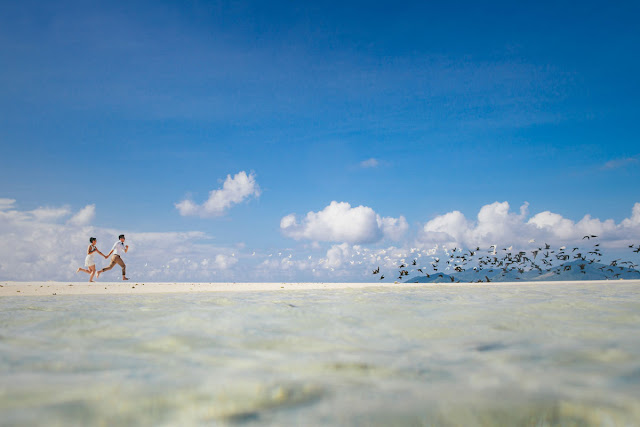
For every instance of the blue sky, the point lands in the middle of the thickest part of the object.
(136, 106)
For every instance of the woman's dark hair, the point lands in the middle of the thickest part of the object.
(92, 239)
(121, 236)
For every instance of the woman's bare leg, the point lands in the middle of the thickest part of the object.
(92, 269)
(82, 269)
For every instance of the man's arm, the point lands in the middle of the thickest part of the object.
(126, 249)
(112, 249)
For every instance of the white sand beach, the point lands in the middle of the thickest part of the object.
(135, 288)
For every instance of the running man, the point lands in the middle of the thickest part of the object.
(118, 250)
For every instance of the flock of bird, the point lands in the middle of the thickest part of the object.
(543, 259)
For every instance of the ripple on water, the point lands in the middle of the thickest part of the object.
(537, 412)
(448, 356)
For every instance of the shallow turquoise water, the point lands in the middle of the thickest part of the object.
(503, 355)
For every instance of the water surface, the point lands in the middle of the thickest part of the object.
(486, 355)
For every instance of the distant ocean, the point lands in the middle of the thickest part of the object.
(503, 355)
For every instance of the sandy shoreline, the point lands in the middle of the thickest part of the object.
(137, 288)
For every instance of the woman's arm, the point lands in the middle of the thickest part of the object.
(109, 254)
(89, 251)
(97, 250)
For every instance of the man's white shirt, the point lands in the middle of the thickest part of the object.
(118, 248)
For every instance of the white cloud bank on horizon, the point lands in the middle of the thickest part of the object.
(339, 222)
(233, 191)
(345, 262)
(50, 244)
(496, 224)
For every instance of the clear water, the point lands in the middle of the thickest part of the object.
(503, 355)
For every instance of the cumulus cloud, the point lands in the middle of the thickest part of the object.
(633, 222)
(84, 216)
(496, 224)
(343, 261)
(393, 228)
(50, 214)
(338, 254)
(45, 244)
(339, 222)
(369, 163)
(234, 190)
(344, 243)
(223, 261)
(340, 261)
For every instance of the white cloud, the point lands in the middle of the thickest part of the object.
(554, 223)
(339, 222)
(369, 163)
(50, 214)
(634, 220)
(233, 191)
(41, 248)
(393, 228)
(44, 247)
(344, 262)
(452, 226)
(46, 214)
(496, 224)
(619, 163)
(338, 254)
(6, 204)
(84, 216)
(223, 261)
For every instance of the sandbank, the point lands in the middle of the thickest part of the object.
(133, 287)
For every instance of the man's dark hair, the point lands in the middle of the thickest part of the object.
(121, 236)
(92, 239)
